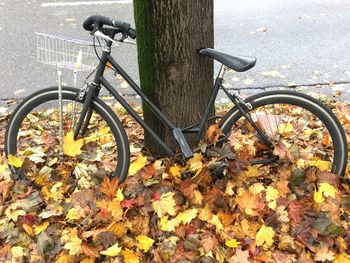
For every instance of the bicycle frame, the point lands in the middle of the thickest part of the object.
(178, 133)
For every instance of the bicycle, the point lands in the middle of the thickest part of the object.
(273, 120)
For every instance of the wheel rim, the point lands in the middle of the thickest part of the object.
(37, 145)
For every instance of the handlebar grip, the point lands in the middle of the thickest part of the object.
(98, 21)
(132, 33)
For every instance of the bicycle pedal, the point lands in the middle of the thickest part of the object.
(218, 170)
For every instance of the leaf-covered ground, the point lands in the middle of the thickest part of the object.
(252, 214)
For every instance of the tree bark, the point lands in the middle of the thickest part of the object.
(172, 73)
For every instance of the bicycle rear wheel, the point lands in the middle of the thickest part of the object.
(33, 135)
(304, 132)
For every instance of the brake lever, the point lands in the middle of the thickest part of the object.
(99, 34)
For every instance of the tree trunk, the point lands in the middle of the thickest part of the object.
(172, 73)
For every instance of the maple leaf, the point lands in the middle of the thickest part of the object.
(115, 208)
(130, 256)
(249, 203)
(112, 251)
(14, 161)
(89, 251)
(324, 254)
(326, 190)
(109, 187)
(213, 133)
(271, 197)
(70, 146)
(209, 241)
(137, 165)
(265, 236)
(195, 163)
(187, 216)
(144, 242)
(233, 243)
(175, 170)
(165, 205)
(74, 245)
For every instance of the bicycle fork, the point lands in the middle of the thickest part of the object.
(86, 112)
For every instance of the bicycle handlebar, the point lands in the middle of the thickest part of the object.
(97, 22)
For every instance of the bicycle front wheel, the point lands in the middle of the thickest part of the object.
(304, 132)
(33, 136)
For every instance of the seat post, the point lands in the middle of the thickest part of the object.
(221, 72)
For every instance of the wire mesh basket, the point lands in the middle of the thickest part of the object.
(67, 53)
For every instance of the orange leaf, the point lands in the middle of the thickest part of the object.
(249, 203)
(109, 187)
(213, 133)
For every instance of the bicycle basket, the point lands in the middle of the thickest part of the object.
(66, 52)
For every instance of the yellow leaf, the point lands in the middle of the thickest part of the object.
(14, 161)
(115, 208)
(3, 167)
(342, 258)
(195, 163)
(325, 190)
(165, 205)
(318, 197)
(74, 245)
(324, 166)
(42, 227)
(271, 197)
(130, 256)
(119, 195)
(265, 236)
(72, 147)
(232, 243)
(328, 190)
(88, 260)
(13, 214)
(167, 225)
(256, 188)
(175, 170)
(144, 242)
(187, 216)
(285, 128)
(72, 214)
(137, 165)
(112, 251)
(17, 251)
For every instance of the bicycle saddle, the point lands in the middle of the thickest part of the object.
(237, 63)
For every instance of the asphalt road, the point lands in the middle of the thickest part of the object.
(297, 42)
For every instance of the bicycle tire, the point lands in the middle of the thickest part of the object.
(322, 112)
(41, 97)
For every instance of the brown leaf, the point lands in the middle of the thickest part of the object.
(109, 187)
(84, 198)
(89, 251)
(324, 254)
(209, 241)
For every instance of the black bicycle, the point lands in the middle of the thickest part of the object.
(281, 127)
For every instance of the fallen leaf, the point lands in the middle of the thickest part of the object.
(112, 251)
(265, 236)
(165, 205)
(130, 256)
(137, 165)
(14, 161)
(70, 146)
(233, 243)
(144, 242)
